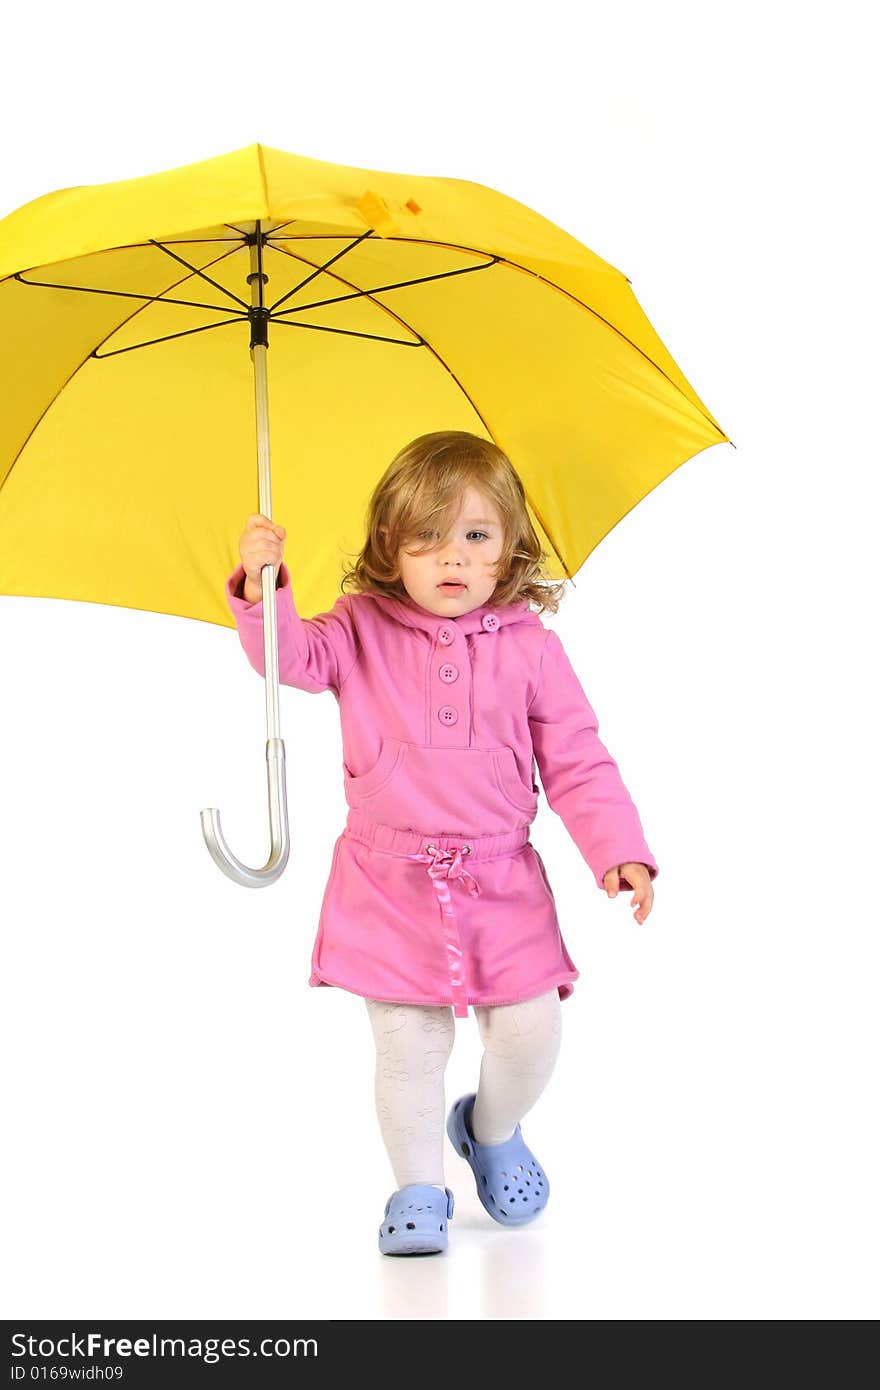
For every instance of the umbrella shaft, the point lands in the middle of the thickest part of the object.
(259, 351)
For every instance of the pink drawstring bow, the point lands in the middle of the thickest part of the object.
(444, 864)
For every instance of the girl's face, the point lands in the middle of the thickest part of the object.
(458, 575)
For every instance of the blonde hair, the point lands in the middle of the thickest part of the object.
(422, 489)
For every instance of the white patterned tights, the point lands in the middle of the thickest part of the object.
(413, 1044)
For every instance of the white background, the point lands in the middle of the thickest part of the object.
(191, 1128)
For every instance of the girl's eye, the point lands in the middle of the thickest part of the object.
(432, 535)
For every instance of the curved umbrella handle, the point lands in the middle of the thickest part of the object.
(278, 827)
(275, 770)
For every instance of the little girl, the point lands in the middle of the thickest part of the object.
(451, 691)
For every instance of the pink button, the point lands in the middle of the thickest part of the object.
(448, 673)
(445, 635)
(447, 714)
(490, 621)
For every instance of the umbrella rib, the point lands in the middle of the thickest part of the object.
(167, 339)
(348, 332)
(195, 270)
(289, 223)
(392, 313)
(319, 268)
(377, 289)
(123, 294)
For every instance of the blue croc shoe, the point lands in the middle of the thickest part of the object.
(416, 1220)
(511, 1183)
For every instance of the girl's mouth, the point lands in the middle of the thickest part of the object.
(451, 587)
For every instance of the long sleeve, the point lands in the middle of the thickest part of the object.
(314, 654)
(580, 778)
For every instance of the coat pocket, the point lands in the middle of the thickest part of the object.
(383, 769)
(510, 784)
(467, 791)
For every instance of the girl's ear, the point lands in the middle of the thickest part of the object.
(383, 531)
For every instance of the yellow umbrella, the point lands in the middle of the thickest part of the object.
(394, 305)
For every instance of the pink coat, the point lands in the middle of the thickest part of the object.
(444, 721)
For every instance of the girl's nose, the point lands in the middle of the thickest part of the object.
(453, 554)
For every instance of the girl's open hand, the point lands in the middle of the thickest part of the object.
(643, 892)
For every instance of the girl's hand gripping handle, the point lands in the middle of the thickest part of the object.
(261, 543)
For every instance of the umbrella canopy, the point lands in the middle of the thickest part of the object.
(394, 305)
(135, 316)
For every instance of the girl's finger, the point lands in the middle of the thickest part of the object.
(257, 522)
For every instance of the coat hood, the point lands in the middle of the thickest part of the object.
(412, 614)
